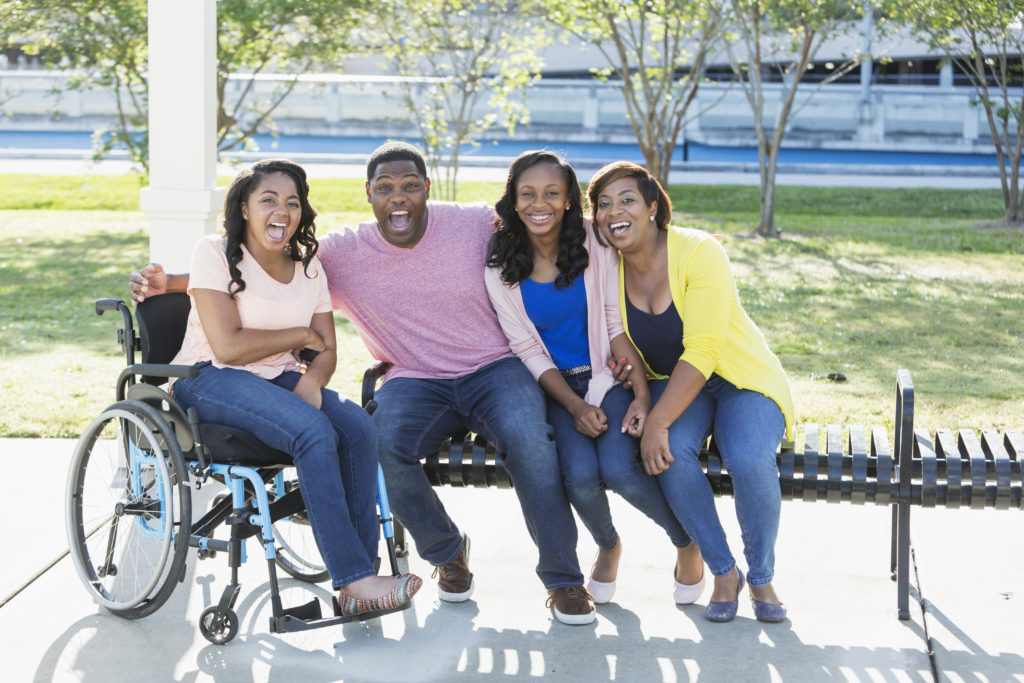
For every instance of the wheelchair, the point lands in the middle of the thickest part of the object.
(129, 510)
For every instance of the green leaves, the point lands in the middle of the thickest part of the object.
(656, 48)
(984, 39)
(104, 43)
(449, 54)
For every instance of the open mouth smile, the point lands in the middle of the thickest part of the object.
(276, 231)
(399, 220)
(618, 228)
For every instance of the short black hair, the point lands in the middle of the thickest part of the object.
(395, 150)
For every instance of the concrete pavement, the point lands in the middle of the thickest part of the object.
(496, 170)
(832, 572)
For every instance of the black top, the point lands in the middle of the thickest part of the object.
(658, 337)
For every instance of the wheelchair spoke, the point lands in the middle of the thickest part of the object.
(124, 514)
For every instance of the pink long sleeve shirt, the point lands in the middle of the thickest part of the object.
(604, 318)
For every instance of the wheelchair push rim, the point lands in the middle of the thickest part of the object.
(127, 504)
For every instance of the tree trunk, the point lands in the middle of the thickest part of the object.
(766, 219)
(1014, 214)
(658, 169)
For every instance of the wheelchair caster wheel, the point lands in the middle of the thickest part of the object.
(218, 626)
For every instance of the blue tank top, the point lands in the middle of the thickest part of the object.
(560, 316)
(659, 337)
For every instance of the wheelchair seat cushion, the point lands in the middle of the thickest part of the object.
(232, 446)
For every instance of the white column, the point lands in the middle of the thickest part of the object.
(946, 74)
(182, 201)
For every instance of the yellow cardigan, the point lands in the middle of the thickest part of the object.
(718, 336)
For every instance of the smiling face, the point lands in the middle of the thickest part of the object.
(542, 197)
(271, 213)
(622, 215)
(398, 194)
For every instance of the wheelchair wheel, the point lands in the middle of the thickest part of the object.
(218, 626)
(297, 552)
(129, 509)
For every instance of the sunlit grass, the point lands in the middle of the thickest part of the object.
(864, 281)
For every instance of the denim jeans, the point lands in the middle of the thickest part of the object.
(335, 451)
(747, 427)
(504, 404)
(611, 460)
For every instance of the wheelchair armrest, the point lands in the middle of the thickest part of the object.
(159, 370)
(370, 377)
(146, 370)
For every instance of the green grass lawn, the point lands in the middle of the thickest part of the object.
(864, 281)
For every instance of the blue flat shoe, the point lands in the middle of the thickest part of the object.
(766, 611)
(725, 611)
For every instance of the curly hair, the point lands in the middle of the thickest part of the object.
(510, 247)
(301, 247)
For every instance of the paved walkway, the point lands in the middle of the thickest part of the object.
(495, 169)
(832, 571)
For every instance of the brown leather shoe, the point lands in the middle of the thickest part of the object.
(454, 580)
(572, 605)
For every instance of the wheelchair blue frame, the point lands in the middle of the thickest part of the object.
(259, 497)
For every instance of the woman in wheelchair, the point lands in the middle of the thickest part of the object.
(259, 297)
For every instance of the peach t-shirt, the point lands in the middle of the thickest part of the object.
(264, 304)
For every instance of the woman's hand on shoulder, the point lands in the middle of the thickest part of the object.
(149, 281)
(589, 420)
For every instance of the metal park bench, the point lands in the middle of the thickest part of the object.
(914, 469)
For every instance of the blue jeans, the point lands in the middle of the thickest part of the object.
(334, 450)
(504, 404)
(610, 460)
(747, 427)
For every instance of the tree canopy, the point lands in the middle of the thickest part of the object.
(657, 50)
(104, 43)
(985, 41)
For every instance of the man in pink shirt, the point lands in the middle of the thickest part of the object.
(412, 282)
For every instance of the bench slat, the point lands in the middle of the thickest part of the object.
(946, 450)
(810, 462)
(1014, 443)
(967, 442)
(834, 444)
(1000, 459)
(859, 474)
(787, 463)
(882, 453)
(929, 467)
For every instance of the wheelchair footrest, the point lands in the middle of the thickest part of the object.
(309, 616)
(311, 611)
(367, 615)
